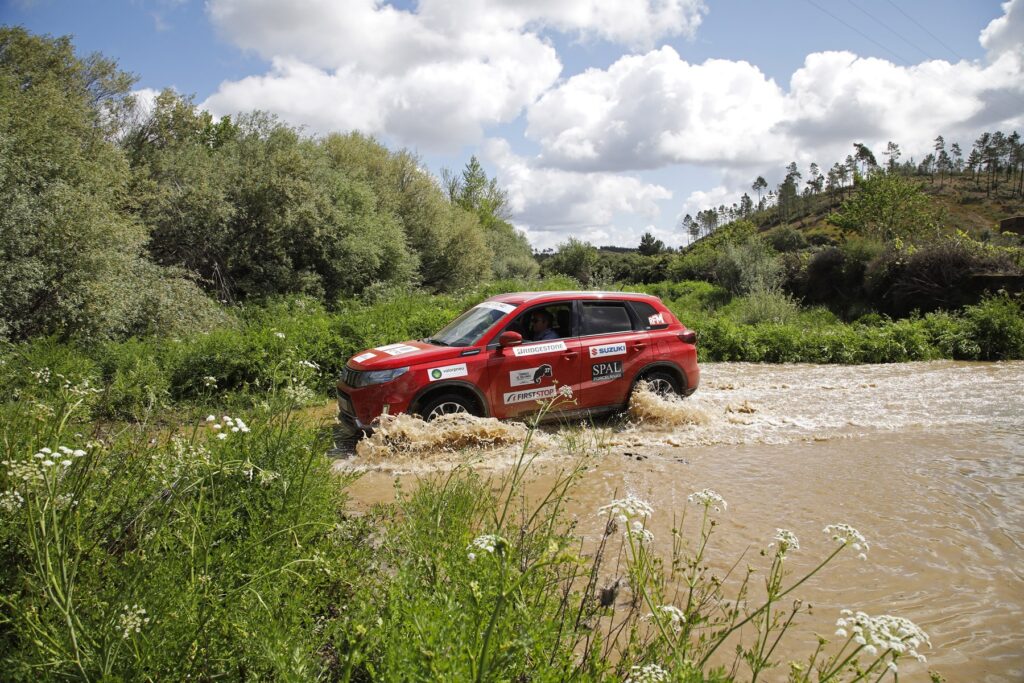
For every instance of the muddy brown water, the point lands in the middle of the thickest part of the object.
(925, 459)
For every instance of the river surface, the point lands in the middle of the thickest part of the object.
(925, 459)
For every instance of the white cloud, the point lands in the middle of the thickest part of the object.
(432, 78)
(654, 110)
(553, 204)
(1006, 33)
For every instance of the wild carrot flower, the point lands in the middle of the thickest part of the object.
(565, 391)
(132, 620)
(674, 615)
(487, 543)
(227, 424)
(210, 382)
(844, 534)
(787, 541)
(627, 508)
(709, 499)
(10, 501)
(639, 533)
(649, 673)
(884, 633)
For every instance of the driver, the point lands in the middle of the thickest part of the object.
(540, 326)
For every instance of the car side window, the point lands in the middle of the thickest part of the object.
(648, 316)
(605, 317)
(559, 321)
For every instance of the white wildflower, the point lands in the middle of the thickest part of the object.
(887, 633)
(892, 667)
(628, 507)
(844, 534)
(132, 620)
(841, 632)
(227, 424)
(487, 543)
(649, 673)
(279, 335)
(565, 391)
(10, 501)
(309, 364)
(639, 533)
(210, 382)
(787, 541)
(709, 499)
(675, 616)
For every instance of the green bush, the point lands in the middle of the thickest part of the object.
(763, 306)
(996, 326)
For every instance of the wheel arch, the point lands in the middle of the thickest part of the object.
(665, 365)
(466, 389)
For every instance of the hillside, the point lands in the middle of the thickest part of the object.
(962, 202)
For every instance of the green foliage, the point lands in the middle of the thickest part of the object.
(996, 327)
(750, 266)
(764, 306)
(575, 259)
(474, 192)
(785, 238)
(70, 257)
(886, 207)
(699, 260)
(184, 556)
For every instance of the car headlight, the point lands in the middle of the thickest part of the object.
(381, 376)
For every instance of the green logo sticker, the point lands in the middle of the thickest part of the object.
(435, 373)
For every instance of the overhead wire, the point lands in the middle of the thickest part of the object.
(860, 33)
(888, 28)
(921, 26)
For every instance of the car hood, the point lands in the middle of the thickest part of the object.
(399, 355)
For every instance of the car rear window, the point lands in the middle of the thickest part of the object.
(646, 312)
(606, 318)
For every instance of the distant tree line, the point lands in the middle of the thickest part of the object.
(995, 162)
(117, 220)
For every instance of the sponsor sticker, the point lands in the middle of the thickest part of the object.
(497, 306)
(447, 372)
(363, 357)
(537, 349)
(604, 372)
(519, 378)
(606, 350)
(530, 395)
(656, 319)
(396, 349)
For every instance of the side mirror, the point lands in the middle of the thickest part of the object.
(510, 338)
(688, 337)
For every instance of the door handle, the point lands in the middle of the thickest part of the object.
(571, 354)
(639, 347)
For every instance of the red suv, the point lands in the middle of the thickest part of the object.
(502, 356)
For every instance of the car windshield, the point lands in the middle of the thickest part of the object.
(469, 327)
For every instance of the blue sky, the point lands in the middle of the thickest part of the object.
(603, 118)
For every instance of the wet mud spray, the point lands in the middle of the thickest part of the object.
(926, 459)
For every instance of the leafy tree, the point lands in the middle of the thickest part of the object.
(473, 191)
(574, 258)
(887, 206)
(650, 246)
(71, 258)
(865, 157)
(760, 184)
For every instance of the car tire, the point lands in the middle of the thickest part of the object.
(662, 383)
(447, 404)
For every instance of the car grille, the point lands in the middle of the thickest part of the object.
(352, 378)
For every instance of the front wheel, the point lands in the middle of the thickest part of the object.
(447, 404)
(662, 383)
